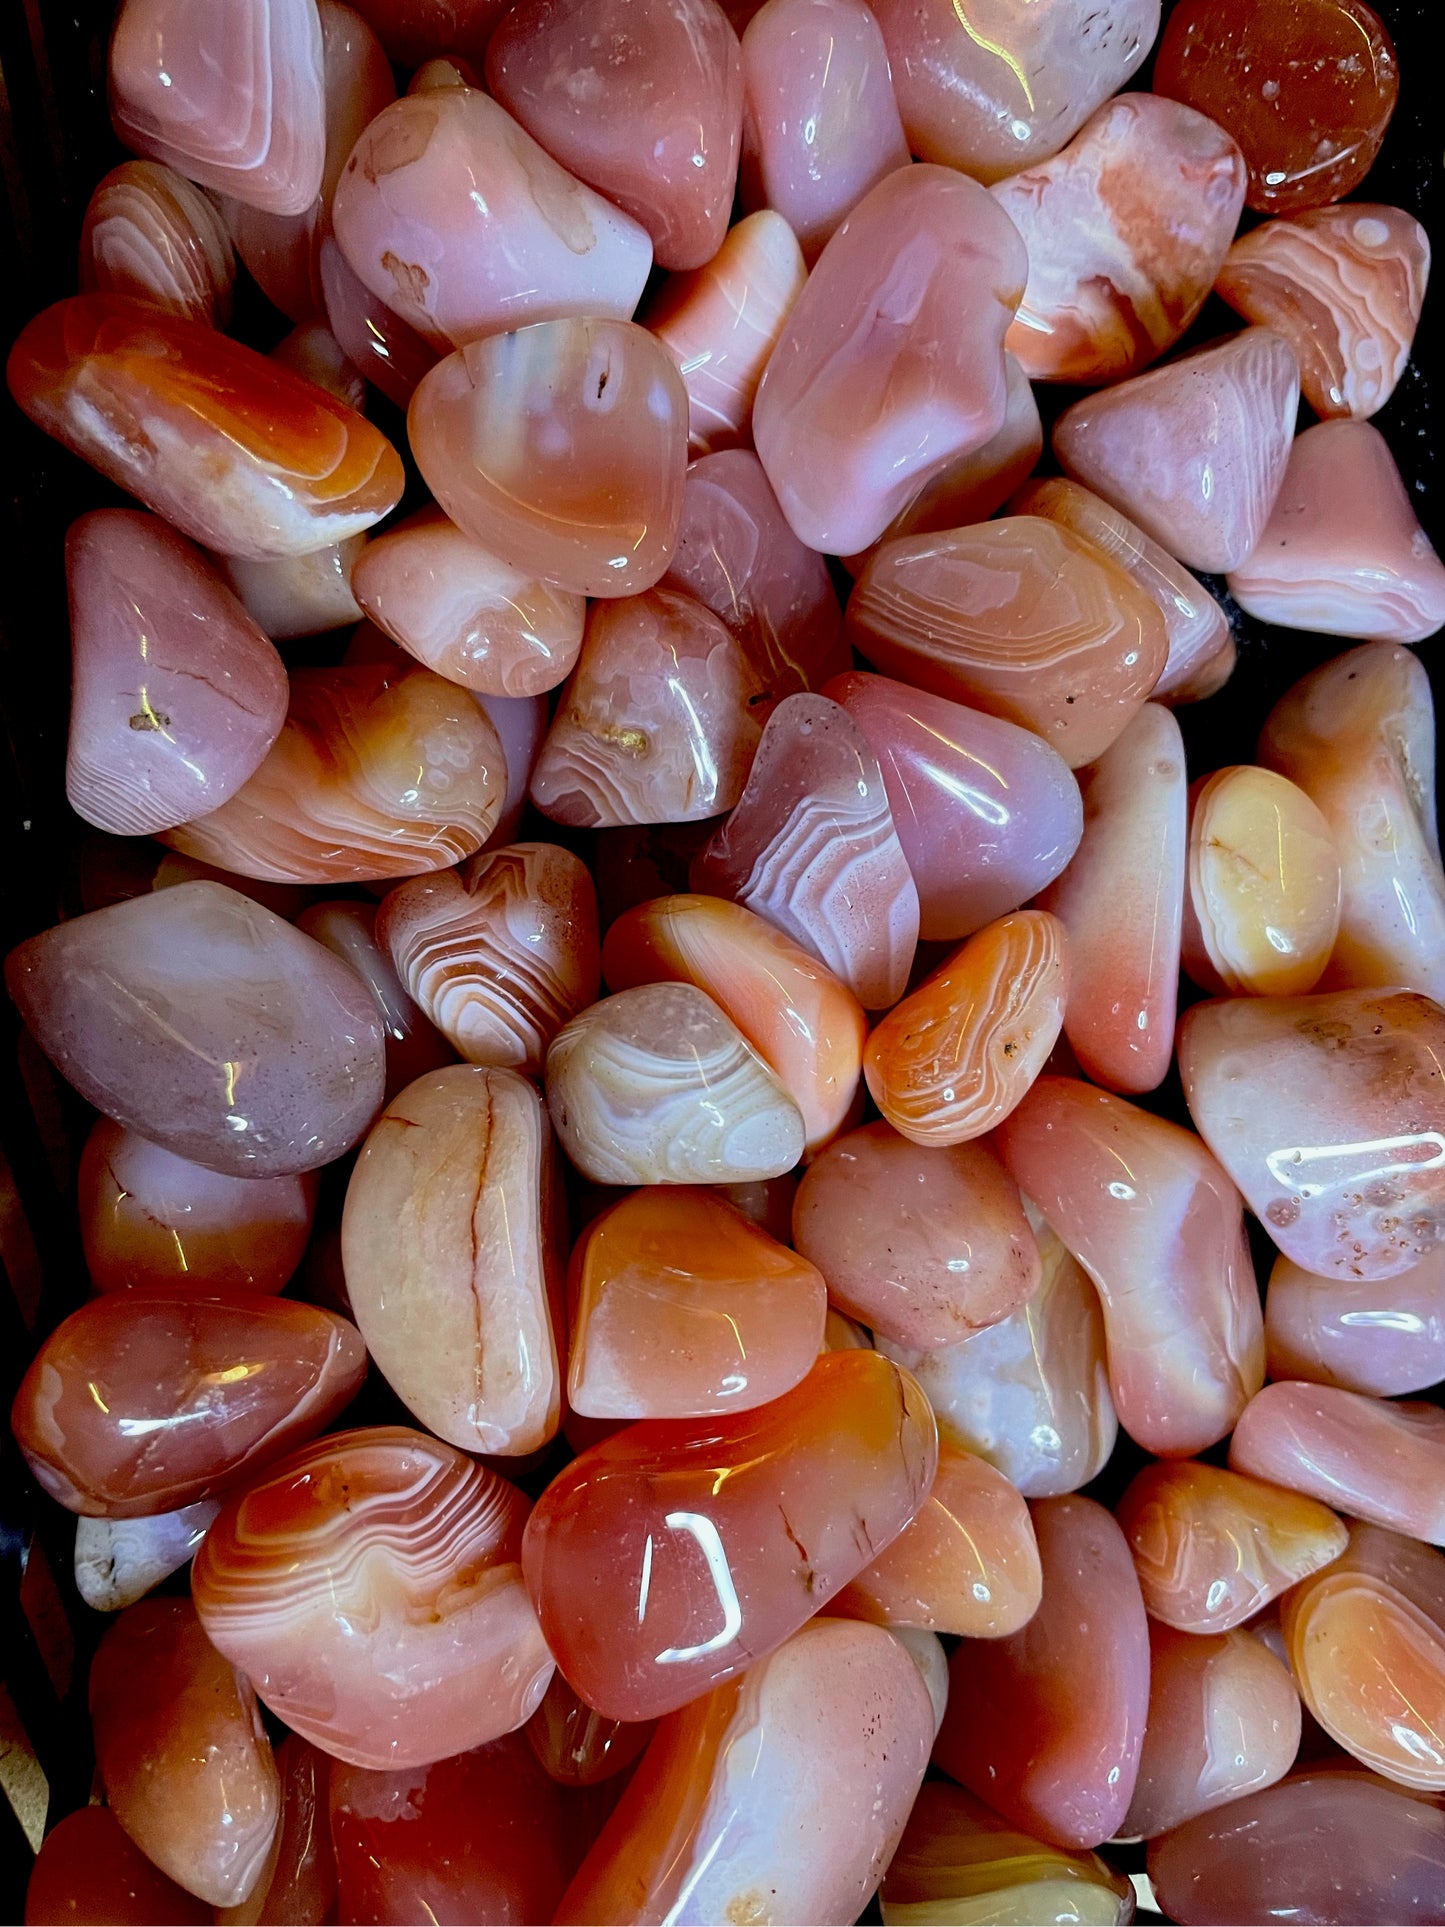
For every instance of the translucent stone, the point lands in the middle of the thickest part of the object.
(89, 1868)
(1343, 553)
(118, 1561)
(235, 450)
(391, 356)
(950, 1062)
(413, 1045)
(642, 99)
(521, 724)
(835, 1727)
(680, 1307)
(577, 1747)
(1329, 1114)
(1121, 900)
(369, 1587)
(312, 350)
(1213, 1548)
(448, 1241)
(150, 233)
(820, 124)
(1344, 286)
(1159, 1228)
(677, 1553)
(1195, 451)
(202, 1021)
(1363, 1334)
(298, 1883)
(1049, 1722)
(987, 813)
(657, 1086)
(107, 1413)
(1358, 737)
(456, 260)
(1126, 230)
(1263, 906)
(299, 595)
(561, 448)
(1021, 618)
(891, 362)
(415, 31)
(926, 1245)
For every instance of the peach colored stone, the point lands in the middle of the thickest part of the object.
(642, 99)
(575, 1746)
(1362, 1334)
(926, 1245)
(891, 362)
(1195, 451)
(118, 1561)
(348, 930)
(1126, 230)
(312, 350)
(1160, 1230)
(150, 233)
(88, 1866)
(389, 354)
(680, 1306)
(298, 595)
(298, 1882)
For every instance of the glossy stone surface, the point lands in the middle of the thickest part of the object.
(987, 813)
(88, 1868)
(657, 1086)
(925, 1245)
(804, 1024)
(1263, 904)
(1212, 1548)
(312, 350)
(1358, 736)
(369, 1587)
(1344, 286)
(560, 448)
(1049, 1722)
(577, 1747)
(150, 233)
(107, 1415)
(1307, 91)
(150, 1218)
(1004, 87)
(720, 323)
(1126, 230)
(656, 1579)
(447, 1241)
(1121, 900)
(1160, 1230)
(1019, 617)
(1195, 451)
(951, 1061)
(298, 595)
(1030, 1393)
(1345, 1164)
(642, 99)
(1363, 1334)
(891, 362)
(298, 1883)
(208, 1025)
(118, 1561)
(455, 264)
(380, 770)
(1343, 553)
(391, 355)
(835, 1728)
(657, 723)
(416, 31)
(680, 1307)
(820, 124)
(1376, 1459)
(348, 930)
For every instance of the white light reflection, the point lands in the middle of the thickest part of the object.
(706, 1535)
(1287, 1166)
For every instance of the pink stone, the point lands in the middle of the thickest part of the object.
(657, 723)
(1122, 902)
(415, 31)
(468, 616)
(389, 354)
(1160, 1229)
(987, 813)
(1001, 87)
(445, 70)
(521, 724)
(149, 233)
(1329, 1114)
(312, 350)
(561, 448)
(1049, 1722)
(1195, 451)
(177, 694)
(232, 98)
(1344, 286)
(298, 595)
(891, 363)
(1343, 553)
(1358, 737)
(642, 99)
(811, 845)
(1126, 230)
(820, 123)
(1376, 1459)
(348, 930)
(209, 1026)
(1367, 1336)
(454, 217)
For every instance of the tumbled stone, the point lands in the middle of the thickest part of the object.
(118, 1561)
(391, 355)
(298, 1881)
(1365, 1334)
(298, 595)
(416, 31)
(89, 1867)
(150, 233)
(348, 930)
(576, 1746)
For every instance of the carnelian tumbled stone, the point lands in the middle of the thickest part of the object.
(89, 1868)
(675, 1553)
(577, 1747)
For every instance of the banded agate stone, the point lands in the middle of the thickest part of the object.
(150, 233)
(118, 1561)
